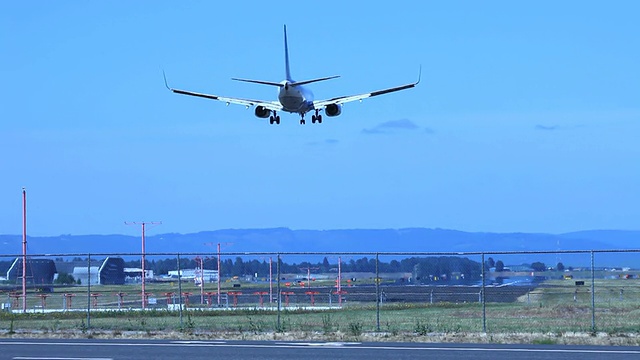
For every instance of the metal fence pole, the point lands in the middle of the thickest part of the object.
(593, 293)
(278, 325)
(180, 291)
(88, 291)
(484, 300)
(377, 292)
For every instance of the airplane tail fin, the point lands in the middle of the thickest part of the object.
(287, 70)
(286, 56)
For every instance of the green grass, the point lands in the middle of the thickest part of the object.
(557, 307)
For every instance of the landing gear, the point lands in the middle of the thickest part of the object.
(317, 117)
(274, 119)
(302, 122)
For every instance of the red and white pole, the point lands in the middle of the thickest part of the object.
(144, 303)
(219, 274)
(24, 250)
(270, 280)
(339, 281)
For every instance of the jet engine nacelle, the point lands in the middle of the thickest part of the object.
(333, 110)
(262, 112)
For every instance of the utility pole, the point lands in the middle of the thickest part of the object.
(144, 275)
(309, 268)
(219, 264)
(24, 249)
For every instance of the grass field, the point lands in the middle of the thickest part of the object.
(557, 307)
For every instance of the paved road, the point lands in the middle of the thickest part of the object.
(45, 349)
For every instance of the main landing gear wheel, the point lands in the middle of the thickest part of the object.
(302, 122)
(317, 117)
(274, 120)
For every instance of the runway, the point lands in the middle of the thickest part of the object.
(91, 349)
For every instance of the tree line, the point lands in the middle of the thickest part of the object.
(419, 267)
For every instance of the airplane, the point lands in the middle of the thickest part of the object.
(293, 97)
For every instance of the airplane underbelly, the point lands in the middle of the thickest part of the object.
(292, 103)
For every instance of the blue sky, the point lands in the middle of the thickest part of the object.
(526, 119)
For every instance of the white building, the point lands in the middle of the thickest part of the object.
(195, 275)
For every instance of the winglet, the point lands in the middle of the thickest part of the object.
(419, 75)
(165, 80)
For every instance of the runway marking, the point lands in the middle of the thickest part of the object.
(360, 347)
(334, 343)
(197, 342)
(56, 358)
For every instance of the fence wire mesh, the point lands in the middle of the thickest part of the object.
(579, 291)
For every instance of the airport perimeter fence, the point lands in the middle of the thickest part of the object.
(409, 292)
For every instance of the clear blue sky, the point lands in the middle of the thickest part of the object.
(527, 117)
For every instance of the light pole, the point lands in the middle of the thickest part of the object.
(201, 261)
(144, 275)
(24, 250)
(219, 264)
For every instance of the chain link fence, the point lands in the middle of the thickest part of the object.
(500, 292)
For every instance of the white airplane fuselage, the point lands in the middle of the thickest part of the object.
(295, 99)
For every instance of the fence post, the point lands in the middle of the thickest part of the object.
(593, 293)
(378, 292)
(180, 290)
(484, 300)
(279, 328)
(88, 291)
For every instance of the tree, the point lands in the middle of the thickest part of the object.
(65, 279)
(238, 267)
(325, 265)
(499, 266)
(538, 266)
(490, 262)
(560, 266)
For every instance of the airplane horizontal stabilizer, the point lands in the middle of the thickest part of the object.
(295, 83)
(259, 82)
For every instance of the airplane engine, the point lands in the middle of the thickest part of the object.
(333, 110)
(262, 112)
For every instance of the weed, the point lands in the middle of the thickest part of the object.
(285, 325)
(189, 324)
(391, 329)
(82, 326)
(545, 341)
(421, 328)
(355, 328)
(255, 326)
(327, 325)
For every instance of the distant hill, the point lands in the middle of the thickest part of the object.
(356, 240)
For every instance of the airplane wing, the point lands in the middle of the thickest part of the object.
(271, 105)
(345, 99)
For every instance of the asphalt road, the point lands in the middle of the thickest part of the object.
(53, 349)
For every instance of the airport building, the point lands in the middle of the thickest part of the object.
(109, 271)
(195, 275)
(38, 271)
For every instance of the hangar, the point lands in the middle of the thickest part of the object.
(110, 271)
(38, 271)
